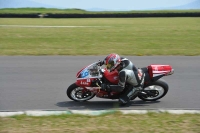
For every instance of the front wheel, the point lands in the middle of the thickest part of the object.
(154, 91)
(77, 93)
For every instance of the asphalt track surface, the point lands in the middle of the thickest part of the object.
(40, 83)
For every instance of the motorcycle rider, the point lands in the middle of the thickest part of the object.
(129, 77)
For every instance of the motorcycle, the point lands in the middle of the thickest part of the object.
(90, 78)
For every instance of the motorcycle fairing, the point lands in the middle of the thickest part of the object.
(112, 77)
(159, 70)
(86, 75)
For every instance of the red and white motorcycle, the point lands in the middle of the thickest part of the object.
(89, 80)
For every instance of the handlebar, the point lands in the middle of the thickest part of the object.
(100, 63)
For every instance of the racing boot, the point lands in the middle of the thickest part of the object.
(135, 94)
(126, 97)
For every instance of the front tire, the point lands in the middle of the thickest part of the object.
(158, 88)
(75, 93)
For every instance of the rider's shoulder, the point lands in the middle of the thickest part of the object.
(124, 59)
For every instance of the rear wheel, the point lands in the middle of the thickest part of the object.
(77, 93)
(154, 91)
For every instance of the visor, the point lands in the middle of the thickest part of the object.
(108, 66)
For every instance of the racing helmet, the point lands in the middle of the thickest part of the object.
(112, 61)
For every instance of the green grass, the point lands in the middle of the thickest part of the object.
(54, 10)
(125, 36)
(40, 10)
(110, 123)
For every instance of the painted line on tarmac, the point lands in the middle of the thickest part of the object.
(42, 26)
(94, 112)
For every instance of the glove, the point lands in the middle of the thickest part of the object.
(105, 87)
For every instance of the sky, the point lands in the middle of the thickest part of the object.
(115, 4)
(124, 5)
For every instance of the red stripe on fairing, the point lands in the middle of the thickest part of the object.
(161, 71)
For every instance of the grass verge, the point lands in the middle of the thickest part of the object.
(130, 36)
(107, 123)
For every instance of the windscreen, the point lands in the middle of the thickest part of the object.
(90, 71)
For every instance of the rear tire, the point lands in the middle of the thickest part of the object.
(75, 93)
(159, 88)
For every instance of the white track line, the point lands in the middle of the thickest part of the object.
(42, 26)
(94, 112)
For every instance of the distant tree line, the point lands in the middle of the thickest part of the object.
(100, 15)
